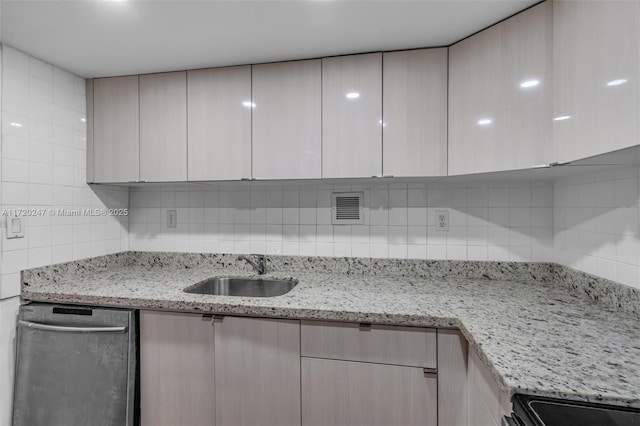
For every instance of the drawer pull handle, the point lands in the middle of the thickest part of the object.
(429, 371)
(216, 318)
(364, 326)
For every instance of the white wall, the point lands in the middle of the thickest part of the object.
(596, 220)
(498, 221)
(43, 167)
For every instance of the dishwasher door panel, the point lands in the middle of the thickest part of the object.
(73, 370)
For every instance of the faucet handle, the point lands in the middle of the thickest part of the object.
(260, 265)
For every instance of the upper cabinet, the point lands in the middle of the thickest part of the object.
(287, 120)
(596, 65)
(352, 116)
(163, 127)
(115, 129)
(485, 104)
(500, 95)
(219, 123)
(415, 113)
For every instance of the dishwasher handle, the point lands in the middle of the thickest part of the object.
(47, 327)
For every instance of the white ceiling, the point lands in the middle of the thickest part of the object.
(96, 38)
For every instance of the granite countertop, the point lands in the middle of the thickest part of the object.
(536, 336)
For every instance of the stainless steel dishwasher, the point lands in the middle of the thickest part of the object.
(76, 366)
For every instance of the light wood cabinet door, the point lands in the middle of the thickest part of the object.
(338, 393)
(176, 369)
(163, 127)
(487, 403)
(352, 116)
(414, 132)
(453, 379)
(500, 95)
(219, 123)
(596, 69)
(115, 129)
(257, 364)
(287, 119)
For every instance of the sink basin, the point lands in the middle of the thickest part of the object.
(247, 287)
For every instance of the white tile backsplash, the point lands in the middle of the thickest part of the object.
(399, 220)
(596, 220)
(44, 166)
(589, 223)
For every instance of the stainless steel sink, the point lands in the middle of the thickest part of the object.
(247, 287)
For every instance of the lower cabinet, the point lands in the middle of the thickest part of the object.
(257, 365)
(200, 370)
(467, 393)
(336, 393)
(238, 372)
(453, 394)
(176, 369)
(368, 375)
(487, 403)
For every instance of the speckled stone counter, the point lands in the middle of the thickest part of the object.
(536, 336)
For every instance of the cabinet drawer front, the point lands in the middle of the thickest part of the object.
(362, 394)
(409, 346)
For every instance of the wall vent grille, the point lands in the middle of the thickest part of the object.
(346, 208)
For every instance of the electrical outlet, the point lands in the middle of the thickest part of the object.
(172, 218)
(442, 220)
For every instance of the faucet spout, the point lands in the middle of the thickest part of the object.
(260, 265)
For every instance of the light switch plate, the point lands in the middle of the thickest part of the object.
(14, 227)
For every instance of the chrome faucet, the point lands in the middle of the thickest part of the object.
(260, 265)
